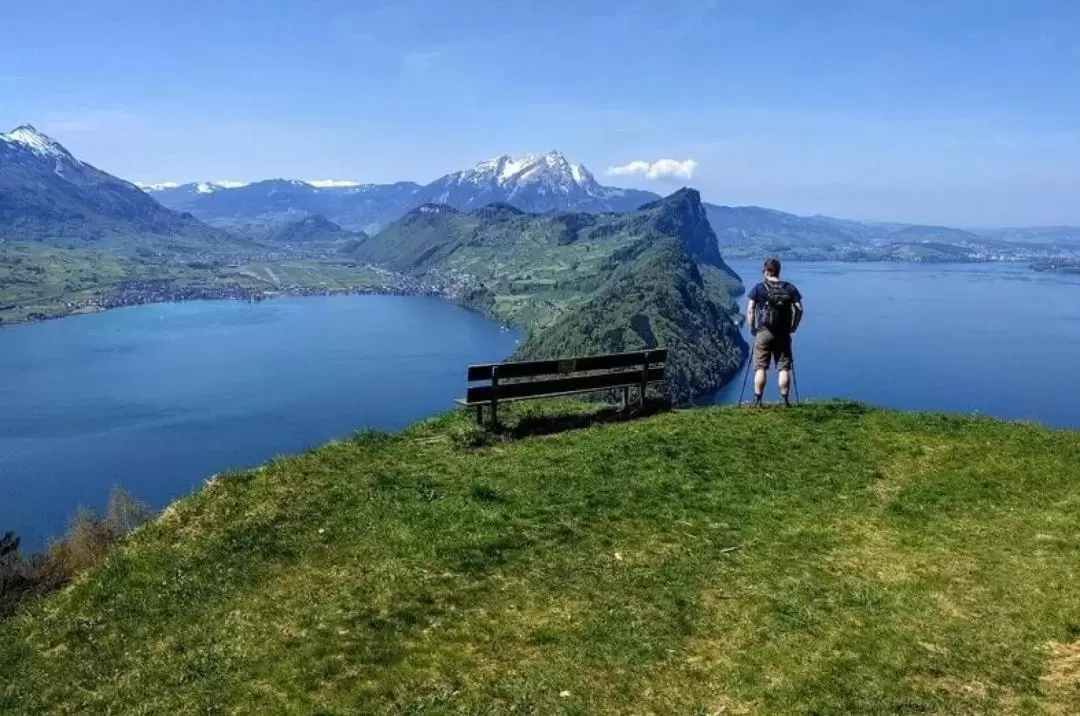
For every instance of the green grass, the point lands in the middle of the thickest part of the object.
(322, 275)
(42, 278)
(829, 559)
(39, 278)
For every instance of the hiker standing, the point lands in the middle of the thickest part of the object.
(773, 313)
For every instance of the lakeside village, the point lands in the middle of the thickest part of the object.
(136, 291)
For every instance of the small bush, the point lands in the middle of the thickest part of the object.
(89, 540)
(125, 514)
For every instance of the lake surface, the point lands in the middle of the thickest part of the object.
(157, 398)
(997, 339)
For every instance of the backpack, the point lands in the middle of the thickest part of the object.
(779, 307)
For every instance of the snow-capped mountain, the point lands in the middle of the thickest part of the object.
(163, 186)
(40, 146)
(48, 194)
(182, 196)
(333, 183)
(351, 204)
(208, 187)
(537, 183)
(202, 187)
(534, 182)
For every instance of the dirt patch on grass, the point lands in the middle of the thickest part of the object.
(1062, 678)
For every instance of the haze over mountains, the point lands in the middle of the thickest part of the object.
(534, 183)
(550, 182)
(46, 194)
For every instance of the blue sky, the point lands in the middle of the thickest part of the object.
(964, 112)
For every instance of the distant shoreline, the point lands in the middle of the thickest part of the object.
(213, 296)
(247, 295)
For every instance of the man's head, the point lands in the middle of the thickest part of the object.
(772, 268)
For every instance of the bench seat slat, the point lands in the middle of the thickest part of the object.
(481, 395)
(530, 369)
(466, 404)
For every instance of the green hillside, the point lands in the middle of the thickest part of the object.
(876, 562)
(584, 284)
(660, 298)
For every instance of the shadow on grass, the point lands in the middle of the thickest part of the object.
(530, 424)
(537, 419)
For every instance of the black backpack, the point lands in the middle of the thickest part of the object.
(779, 307)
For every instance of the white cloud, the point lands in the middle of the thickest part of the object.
(660, 169)
(332, 183)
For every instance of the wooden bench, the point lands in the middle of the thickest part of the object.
(526, 380)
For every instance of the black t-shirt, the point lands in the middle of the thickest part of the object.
(760, 296)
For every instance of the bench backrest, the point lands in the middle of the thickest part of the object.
(563, 376)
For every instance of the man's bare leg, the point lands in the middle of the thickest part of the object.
(784, 377)
(759, 385)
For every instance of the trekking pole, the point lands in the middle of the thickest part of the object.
(795, 383)
(746, 376)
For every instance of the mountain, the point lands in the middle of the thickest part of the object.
(550, 183)
(1069, 235)
(275, 198)
(742, 225)
(183, 197)
(354, 206)
(310, 230)
(582, 283)
(369, 207)
(46, 194)
(756, 232)
(535, 183)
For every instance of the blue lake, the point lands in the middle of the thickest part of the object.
(996, 339)
(157, 398)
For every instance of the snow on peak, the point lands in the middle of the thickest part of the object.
(582, 175)
(333, 183)
(555, 158)
(209, 187)
(32, 139)
(551, 168)
(161, 186)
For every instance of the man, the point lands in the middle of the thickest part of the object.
(773, 314)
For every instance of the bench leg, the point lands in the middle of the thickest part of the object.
(626, 398)
(480, 415)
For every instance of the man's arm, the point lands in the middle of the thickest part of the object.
(796, 317)
(750, 316)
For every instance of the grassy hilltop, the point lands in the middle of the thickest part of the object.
(878, 562)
